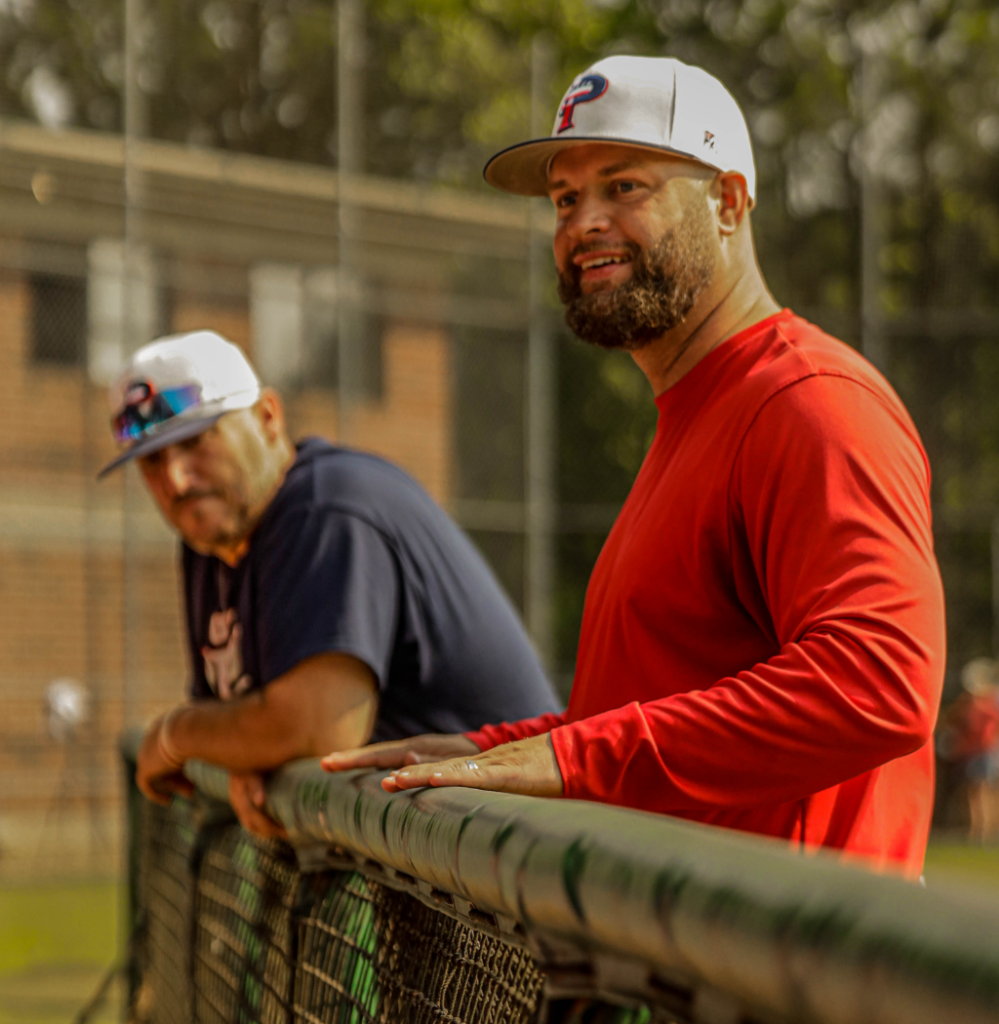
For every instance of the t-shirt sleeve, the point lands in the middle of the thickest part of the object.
(829, 512)
(328, 582)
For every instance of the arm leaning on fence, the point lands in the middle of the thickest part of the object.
(649, 904)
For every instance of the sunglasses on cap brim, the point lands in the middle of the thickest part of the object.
(137, 419)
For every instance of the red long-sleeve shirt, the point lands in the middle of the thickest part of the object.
(763, 639)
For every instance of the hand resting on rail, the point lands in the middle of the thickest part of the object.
(526, 766)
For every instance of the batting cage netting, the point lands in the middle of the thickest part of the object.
(235, 932)
(460, 906)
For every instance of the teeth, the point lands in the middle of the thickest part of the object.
(602, 261)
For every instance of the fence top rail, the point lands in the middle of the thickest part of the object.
(753, 930)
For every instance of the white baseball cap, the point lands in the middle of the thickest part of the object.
(655, 103)
(174, 388)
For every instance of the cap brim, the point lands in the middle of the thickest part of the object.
(523, 169)
(172, 432)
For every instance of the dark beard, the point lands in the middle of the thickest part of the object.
(665, 282)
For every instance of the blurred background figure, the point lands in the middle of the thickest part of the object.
(68, 705)
(968, 737)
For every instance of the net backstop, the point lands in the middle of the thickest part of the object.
(459, 906)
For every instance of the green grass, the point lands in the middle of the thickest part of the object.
(966, 864)
(56, 941)
(59, 924)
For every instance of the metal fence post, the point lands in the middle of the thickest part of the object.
(350, 163)
(868, 82)
(540, 391)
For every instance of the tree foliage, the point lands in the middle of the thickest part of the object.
(897, 97)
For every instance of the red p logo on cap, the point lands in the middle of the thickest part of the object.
(587, 89)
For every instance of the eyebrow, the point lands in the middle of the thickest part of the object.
(624, 165)
(604, 172)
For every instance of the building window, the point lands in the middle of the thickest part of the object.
(296, 322)
(58, 319)
(322, 350)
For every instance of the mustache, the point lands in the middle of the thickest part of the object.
(631, 248)
(194, 495)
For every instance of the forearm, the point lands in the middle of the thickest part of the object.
(257, 733)
(239, 735)
(823, 711)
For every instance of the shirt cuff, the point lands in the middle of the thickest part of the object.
(481, 738)
(593, 754)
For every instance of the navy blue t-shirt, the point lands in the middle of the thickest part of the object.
(354, 556)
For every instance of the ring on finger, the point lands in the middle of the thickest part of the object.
(471, 766)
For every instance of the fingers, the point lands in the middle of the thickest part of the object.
(160, 788)
(443, 748)
(378, 755)
(150, 793)
(259, 823)
(459, 771)
(248, 798)
(181, 784)
(526, 766)
(397, 753)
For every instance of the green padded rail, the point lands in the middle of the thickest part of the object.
(646, 903)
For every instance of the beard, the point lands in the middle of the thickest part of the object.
(666, 280)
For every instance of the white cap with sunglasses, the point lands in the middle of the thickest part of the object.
(174, 388)
(656, 103)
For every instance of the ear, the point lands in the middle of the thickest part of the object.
(270, 414)
(731, 196)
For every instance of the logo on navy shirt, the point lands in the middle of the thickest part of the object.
(223, 656)
(586, 90)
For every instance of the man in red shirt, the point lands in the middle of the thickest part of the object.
(763, 639)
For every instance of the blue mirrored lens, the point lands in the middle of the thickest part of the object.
(136, 420)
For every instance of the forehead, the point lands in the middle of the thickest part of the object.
(594, 160)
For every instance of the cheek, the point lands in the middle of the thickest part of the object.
(561, 247)
(157, 490)
(643, 231)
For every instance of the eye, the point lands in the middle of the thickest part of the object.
(625, 186)
(564, 200)
(190, 443)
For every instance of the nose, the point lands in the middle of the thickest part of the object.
(588, 216)
(175, 470)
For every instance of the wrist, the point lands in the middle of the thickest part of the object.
(165, 741)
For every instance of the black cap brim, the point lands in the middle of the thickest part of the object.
(172, 432)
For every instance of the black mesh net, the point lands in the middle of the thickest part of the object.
(369, 954)
(231, 932)
(165, 872)
(243, 941)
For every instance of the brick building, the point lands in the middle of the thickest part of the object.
(248, 247)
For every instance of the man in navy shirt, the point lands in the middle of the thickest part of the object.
(329, 601)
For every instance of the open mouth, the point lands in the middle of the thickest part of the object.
(603, 261)
(191, 500)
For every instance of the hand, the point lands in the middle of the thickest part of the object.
(397, 753)
(526, 766)
(157, 773)
(248, 799)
